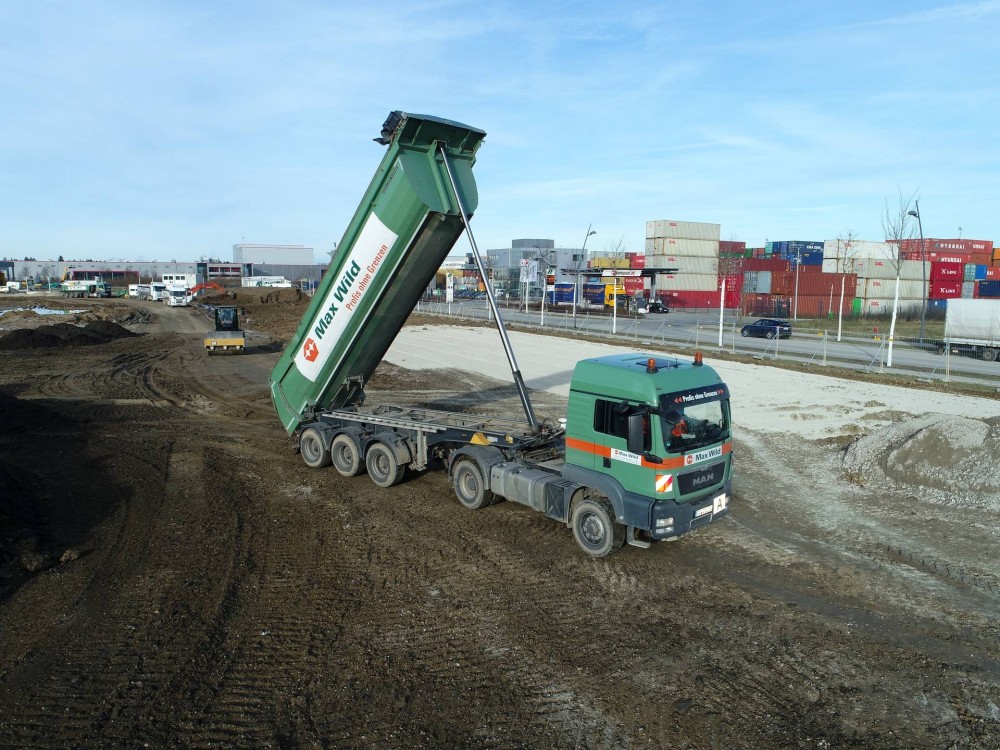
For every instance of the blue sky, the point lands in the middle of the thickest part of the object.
(172, 130)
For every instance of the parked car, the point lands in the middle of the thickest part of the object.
(767, 328)
(657, 307)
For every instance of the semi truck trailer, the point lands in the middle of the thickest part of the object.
(972, 327)
(645, 454)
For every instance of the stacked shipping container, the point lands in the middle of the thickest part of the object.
(693, 249)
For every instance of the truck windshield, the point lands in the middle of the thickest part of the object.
(687, 426)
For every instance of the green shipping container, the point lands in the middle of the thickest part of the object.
(407, 223)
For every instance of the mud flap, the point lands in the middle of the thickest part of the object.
(635, 541)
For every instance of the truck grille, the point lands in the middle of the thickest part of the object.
(702, 479)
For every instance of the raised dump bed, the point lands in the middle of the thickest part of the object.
(404, 228)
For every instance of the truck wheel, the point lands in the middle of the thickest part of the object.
(346, 456)
(383, 467)
(470, 489)
(940, 348)
(313, 449)
(595, 528)
(990, 355)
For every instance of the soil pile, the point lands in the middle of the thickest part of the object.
(64, 334)
(275, 311)
(949, 458)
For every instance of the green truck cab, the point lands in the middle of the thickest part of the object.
(651, 434)
(645, 453)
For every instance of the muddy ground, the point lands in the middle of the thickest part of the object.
(173, 576)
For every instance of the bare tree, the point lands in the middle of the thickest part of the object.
(731, 266)
(898, 230)
(847, 252)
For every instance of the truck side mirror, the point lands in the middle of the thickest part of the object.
(637, 432)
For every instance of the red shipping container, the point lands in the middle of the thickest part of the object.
(944, 271)
(774, 265)
(993, 272)
(731, 247)
(682, 299)
(638, 260)
(947, 246)
(945, 291)
(820, 305)
(783, 284)
(822, 283)
(733, 281)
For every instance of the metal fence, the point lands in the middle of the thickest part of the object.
(689, 330)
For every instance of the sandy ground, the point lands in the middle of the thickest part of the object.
(172, 575)
(765, 398)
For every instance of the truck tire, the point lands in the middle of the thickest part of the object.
(312, 447)
(940, 348)
(595, 528)
(346, 456)
(383, 466)
(990, 355)
(470, 488)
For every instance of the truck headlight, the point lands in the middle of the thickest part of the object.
(663, 523)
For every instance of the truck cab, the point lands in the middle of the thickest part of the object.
(653, 435)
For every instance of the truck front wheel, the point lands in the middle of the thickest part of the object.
(346, 456)
(470, 489)
(383, 466)
(595, 528)
(990, 355)
(313, 449)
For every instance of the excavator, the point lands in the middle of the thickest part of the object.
(207, 286)
(228, 336)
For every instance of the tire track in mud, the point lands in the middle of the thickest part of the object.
(146, 630)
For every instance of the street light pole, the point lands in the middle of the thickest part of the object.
(583, 259)
(798, 262)
(923, 258)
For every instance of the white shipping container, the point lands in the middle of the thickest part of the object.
(840, 265)
(858, 249)
(879, 288)
(684, 263)
(689, 230)
(884, 305)
(968, 289)
(693, 282)
(679, 246)
(872, 268)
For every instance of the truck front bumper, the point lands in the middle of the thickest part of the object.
(671, 519)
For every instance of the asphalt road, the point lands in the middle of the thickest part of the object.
(701, 329)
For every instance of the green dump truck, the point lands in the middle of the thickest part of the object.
(645, 453)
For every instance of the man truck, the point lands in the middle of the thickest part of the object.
(646, 451)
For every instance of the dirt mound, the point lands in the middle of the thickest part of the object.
(274, 311)
(955, 456)
(64, 334)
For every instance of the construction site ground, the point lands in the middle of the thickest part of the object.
(172, 575)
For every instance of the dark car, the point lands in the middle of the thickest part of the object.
(767, 328)
(657, 307)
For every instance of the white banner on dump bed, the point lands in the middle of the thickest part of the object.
(356, 275)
